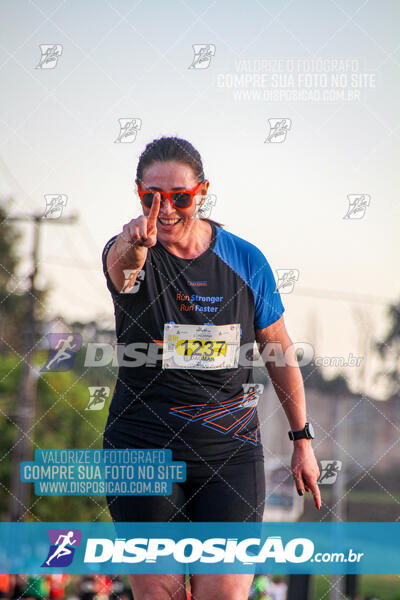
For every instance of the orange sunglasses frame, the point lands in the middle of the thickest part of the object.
(192, 193)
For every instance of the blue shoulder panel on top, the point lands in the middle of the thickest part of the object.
(251, 265)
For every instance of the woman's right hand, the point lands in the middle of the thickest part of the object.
(129, 250)
(138, 235)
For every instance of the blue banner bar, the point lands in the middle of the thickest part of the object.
(260, 548)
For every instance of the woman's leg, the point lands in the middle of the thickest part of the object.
(136, 509)
(233, 493)
(226, 493)
(150, 508)
(158, 587)
(220, 586)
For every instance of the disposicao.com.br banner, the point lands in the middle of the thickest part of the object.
(258, 548)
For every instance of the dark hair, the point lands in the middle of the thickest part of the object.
(165, 149)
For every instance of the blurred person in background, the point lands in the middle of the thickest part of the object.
(18, 587)
(57, 583)
(37, 588)
(104, 587)
(7, 584)
(118, 591)
(87, 587)
(260, 588)
(277, 588)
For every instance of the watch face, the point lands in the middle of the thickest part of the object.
(310, 429)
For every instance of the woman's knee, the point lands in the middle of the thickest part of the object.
(215, 587)
(156, 595)
(220, 593)
(158, 587)
(229, 592)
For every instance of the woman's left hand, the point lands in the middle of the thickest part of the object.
(305, 470)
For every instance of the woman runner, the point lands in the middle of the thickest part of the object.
(188, 296)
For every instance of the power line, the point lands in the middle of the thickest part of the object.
(299, 291)
(340, 295)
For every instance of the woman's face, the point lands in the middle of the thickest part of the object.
(172, 223)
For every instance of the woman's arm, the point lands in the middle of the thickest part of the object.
(288, 383)
(129, 251)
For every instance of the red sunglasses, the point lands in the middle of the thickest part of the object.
(178, 199)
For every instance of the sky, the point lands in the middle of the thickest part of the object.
(327, 72)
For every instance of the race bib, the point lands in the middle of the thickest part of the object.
(200, 346)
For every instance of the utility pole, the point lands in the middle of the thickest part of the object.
(26, 396)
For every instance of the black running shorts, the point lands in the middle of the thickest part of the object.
(214, 491)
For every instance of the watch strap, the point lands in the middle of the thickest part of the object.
(300, 433)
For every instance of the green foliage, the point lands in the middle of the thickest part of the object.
(384, 587)
(94, 376)
(61, 421)
(8, 242)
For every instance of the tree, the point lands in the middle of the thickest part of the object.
(388, 350)
(61, 421)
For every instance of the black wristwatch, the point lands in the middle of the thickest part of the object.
(306, 432)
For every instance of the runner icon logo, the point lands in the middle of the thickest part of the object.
(62, 547)
(98, 397)
(63, 347)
